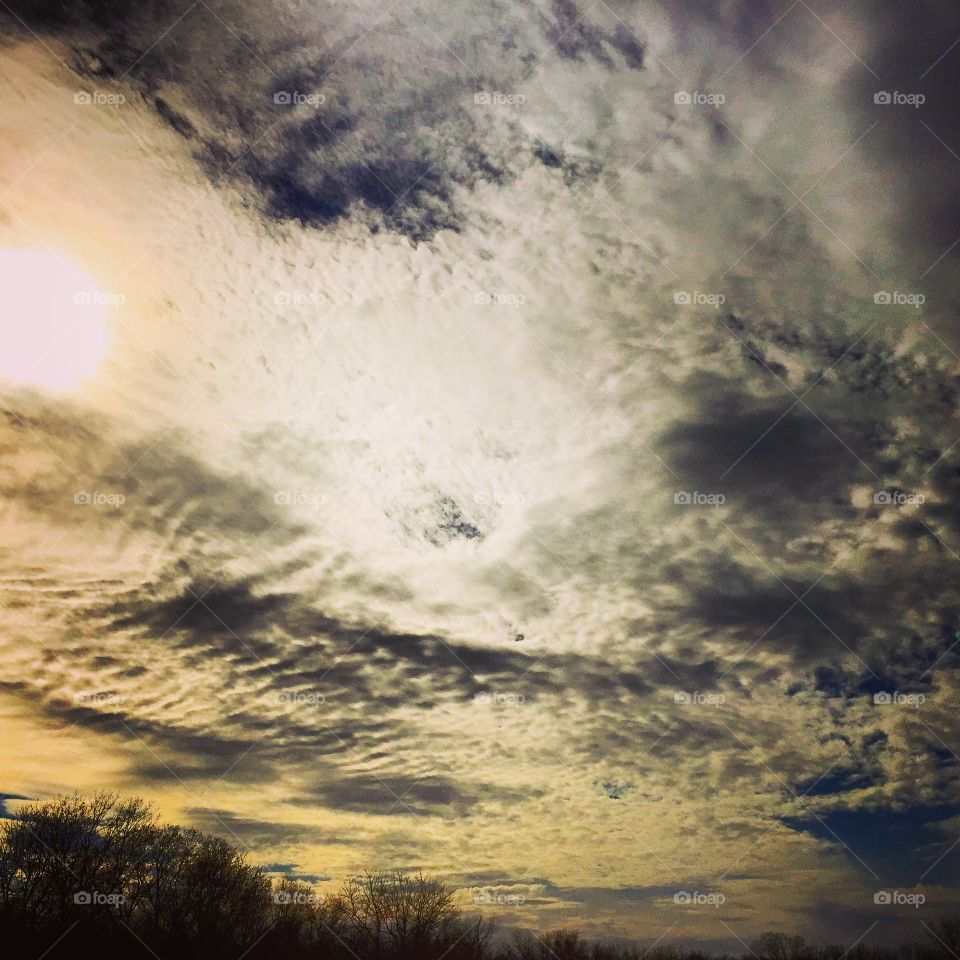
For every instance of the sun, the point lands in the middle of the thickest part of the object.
(53, 320)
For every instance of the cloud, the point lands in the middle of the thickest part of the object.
(259, 834)
(366, 545)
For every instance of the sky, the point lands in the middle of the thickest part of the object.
(513, 440)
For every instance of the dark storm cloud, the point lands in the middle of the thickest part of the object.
(740, 22)
(172, 751)
(905, 665)
(390, 795)
(763, 454)
(854, 630)
(617, 896)
(840, 922)
(256, 749)
(904, 846)
(158, 485)
(787, 461)
(766, 613)
(231, 620)
(228, 616)
(261, 833)
(571, 33)
(864, 770)
(290, 870)
(850, 371)
(5, 812)
(916, 147)
(945, 481)
(377, 140)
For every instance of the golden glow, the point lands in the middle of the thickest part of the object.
(53, 320)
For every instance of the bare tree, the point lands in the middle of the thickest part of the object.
(551, 945)
(945, 933)
(779, 946)
(402, 915)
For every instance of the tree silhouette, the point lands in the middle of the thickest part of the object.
(100, 877)
(398, 915)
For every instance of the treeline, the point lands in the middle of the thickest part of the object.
(100, 877)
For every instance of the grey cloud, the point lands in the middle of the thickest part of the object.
(400, 144)
(166, 489)
(399, 796)
(5, 812)
(262, 833)
(251, 628)
(762, 453)
(910, 53)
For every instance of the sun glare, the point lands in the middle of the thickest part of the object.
(53, 320)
